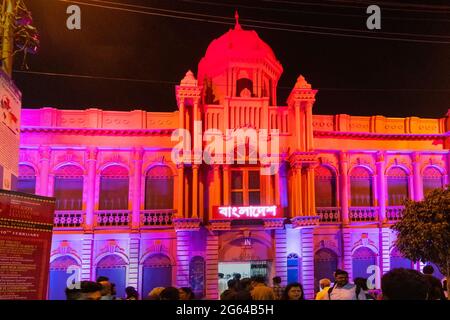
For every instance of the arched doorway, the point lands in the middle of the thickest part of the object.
(197, 276)
(159, 188)
(156, 272)
(432, 179)
(293, 268)
(397, 260)
(68, 189)
(362, 259)
(27, 179)
(115, 268)
(325, 264)
(398, 186)
(58, 276)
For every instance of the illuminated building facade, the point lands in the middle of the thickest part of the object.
(127, 211)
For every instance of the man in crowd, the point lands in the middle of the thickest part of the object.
(343, 290)
(107, 288)
(260, 291)
(84, 290)
(324, 287)
(436, 291)
(404, 284)
(277, 288)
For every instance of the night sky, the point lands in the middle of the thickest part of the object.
(354, 76)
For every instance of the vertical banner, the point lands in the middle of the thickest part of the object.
(26, 224)
(10, 105)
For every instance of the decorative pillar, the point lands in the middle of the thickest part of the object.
(44, 169)
(214, 189)
(344, 190)
(87, 249)
(297, 190)
(277, 188)
(133, 269)
(298, 126)
(180, 200)
(418, 183)
(90, 199)
(381, 186)
(212, 266)
(307, 252)
(226, 185)
(385, 245)
(309, 125)
(195, 191)
(347, 251)
(281, 255)
(137, 177)
(311, 191)
(183, 240)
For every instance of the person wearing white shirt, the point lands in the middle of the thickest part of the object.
(343, 290)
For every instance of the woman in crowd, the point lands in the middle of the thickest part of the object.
(293, 291)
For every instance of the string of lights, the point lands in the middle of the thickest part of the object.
(213, 19)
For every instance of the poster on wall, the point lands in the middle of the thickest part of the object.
(26, 225)
(10, 106)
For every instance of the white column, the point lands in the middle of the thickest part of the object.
(381, 187)
(44, 170)
(347, 252)
(418, 183)
(87, 250)
(281, 255)
(344, 188)
(183, 240)
(90, 199)
(385, 245)
(307, 251)
(133, 269)
(137, 177)
(212, 266)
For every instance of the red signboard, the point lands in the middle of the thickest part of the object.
(248, 212)
(26, 224)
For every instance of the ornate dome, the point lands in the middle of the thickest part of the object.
(239, 43)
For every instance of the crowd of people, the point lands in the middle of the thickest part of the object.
(397, 284)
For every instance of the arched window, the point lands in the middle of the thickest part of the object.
(432, 179)
(69, 188)
(362, 259)
(325, 187)
(27, 179)
(397, 185)
(325, 264)
(197, 276)
(58, 276)
(244, 84)
(115, 268)
(361, 187)
(156, 272)
(114, 184)
(399, 261)
(293, 268)
(159, 188)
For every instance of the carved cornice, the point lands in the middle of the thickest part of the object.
(220, 225)
(274, 223)
(186, 224)
(300, 158)
(385, 136)
(306, 221)
(98, 132)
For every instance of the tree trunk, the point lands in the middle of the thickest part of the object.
(448, 279)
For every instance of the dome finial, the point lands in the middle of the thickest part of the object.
(237, 25)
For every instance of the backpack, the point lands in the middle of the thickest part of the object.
(357, 291)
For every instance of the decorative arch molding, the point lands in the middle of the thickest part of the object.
(108, 164)
(402, 161)
(150, 254)
(121, 255)
(441, 169)
(32, 165)
(152, 165)
(433, 161)
(75, 257)
(372, 247)
(329, 162)
(327, 244)
(68, 163)
(367, 161)
(407, 169)
(229, 249)
(370, 169)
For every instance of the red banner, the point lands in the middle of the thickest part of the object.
(26, 224)
(249, 212)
